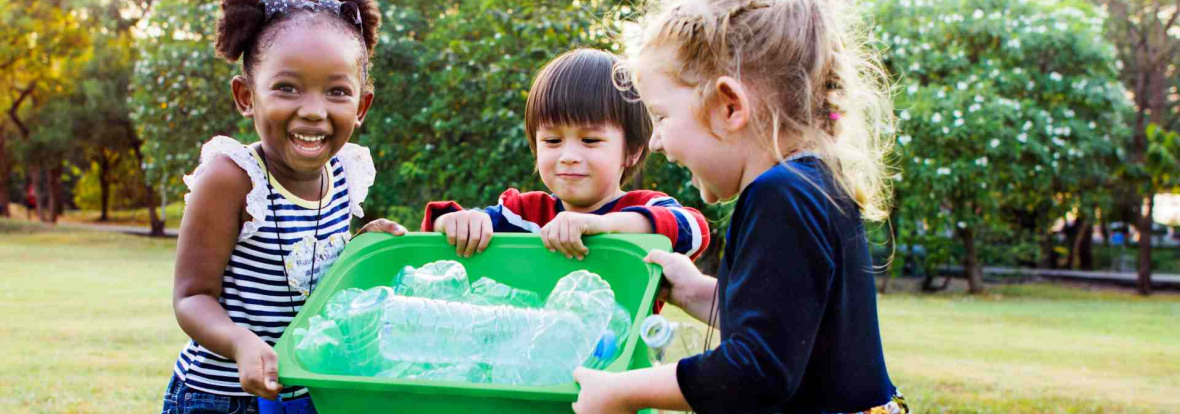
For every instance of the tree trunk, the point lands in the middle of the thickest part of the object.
(4, 176)
(37, 175)
(1048, 257)
(1144, 225)
(1081, 230)
(104, 184)
(55, 193)
(971, 267)
(156, 223)
(1086, 249)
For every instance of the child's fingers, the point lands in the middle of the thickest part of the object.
(486, 235)
(564, 240)
(579, 249)
(545, 237)
(473, 237)
(580, 373)
(270, 369)
(462, 232)
(391, 227)
(659, 257)
(450, 231)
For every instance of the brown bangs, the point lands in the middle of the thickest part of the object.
(577, 88)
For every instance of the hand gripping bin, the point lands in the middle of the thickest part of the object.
(519, 260)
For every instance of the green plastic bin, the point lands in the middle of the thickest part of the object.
(519, 260)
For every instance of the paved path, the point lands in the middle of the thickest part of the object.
(136, 230)
(1157, 279)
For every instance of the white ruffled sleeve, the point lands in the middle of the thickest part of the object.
(240, 154)
(359, 172)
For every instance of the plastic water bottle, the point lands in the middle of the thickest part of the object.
(521, 345)
(486, 291)
(611, 344)
(317, 346)
(360, 329)
(669, 342)
(444, 279)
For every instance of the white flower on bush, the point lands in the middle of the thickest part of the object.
(1023, 137)
(995, 143)
(944, 171)
(937, 118)
(904, 139)
(978, 14)
(962, 86)
(973, 108)
(904, 115)
(912, 89)
(1027, 125)
(982, 162)
(946, 130)
(1056, 77)
(959, 122)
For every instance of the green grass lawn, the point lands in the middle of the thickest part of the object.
(88, 327)
(136, 217)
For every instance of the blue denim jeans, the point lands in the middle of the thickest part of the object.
(180, 399)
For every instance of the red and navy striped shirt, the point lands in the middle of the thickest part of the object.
(528, 212)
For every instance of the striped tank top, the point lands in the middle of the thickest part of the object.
(255, 292)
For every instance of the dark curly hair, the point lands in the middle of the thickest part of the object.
(244, 33)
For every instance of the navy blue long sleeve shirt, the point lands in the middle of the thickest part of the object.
(798, 310)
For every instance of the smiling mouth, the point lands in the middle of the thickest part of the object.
(309, 145)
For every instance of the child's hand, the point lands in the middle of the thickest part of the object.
(564, 233)
(469, 231)
(599, 393)
(258, 367)
(687, 283)
(383, 226)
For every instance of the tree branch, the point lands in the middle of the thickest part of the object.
(24, 130)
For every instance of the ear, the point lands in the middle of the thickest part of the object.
(363, 109)
(243, 95)
(731, 111)
(632, 159)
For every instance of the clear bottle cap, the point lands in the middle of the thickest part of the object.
(656, 331)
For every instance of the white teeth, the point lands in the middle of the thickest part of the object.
(308, 138)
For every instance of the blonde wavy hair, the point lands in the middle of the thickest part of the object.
(815, 84)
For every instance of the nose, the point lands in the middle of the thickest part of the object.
(570, 154)
(656, 143)
(312, 108)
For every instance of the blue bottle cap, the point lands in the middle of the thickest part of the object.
(606, 347)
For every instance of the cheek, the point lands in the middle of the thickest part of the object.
(546, 159)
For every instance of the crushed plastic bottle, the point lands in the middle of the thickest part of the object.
(523, 345)
(361, 327)
(317, 347)
(486, 291)
(611, 344)
(444, 279)
(432, 325)
(669, 342)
